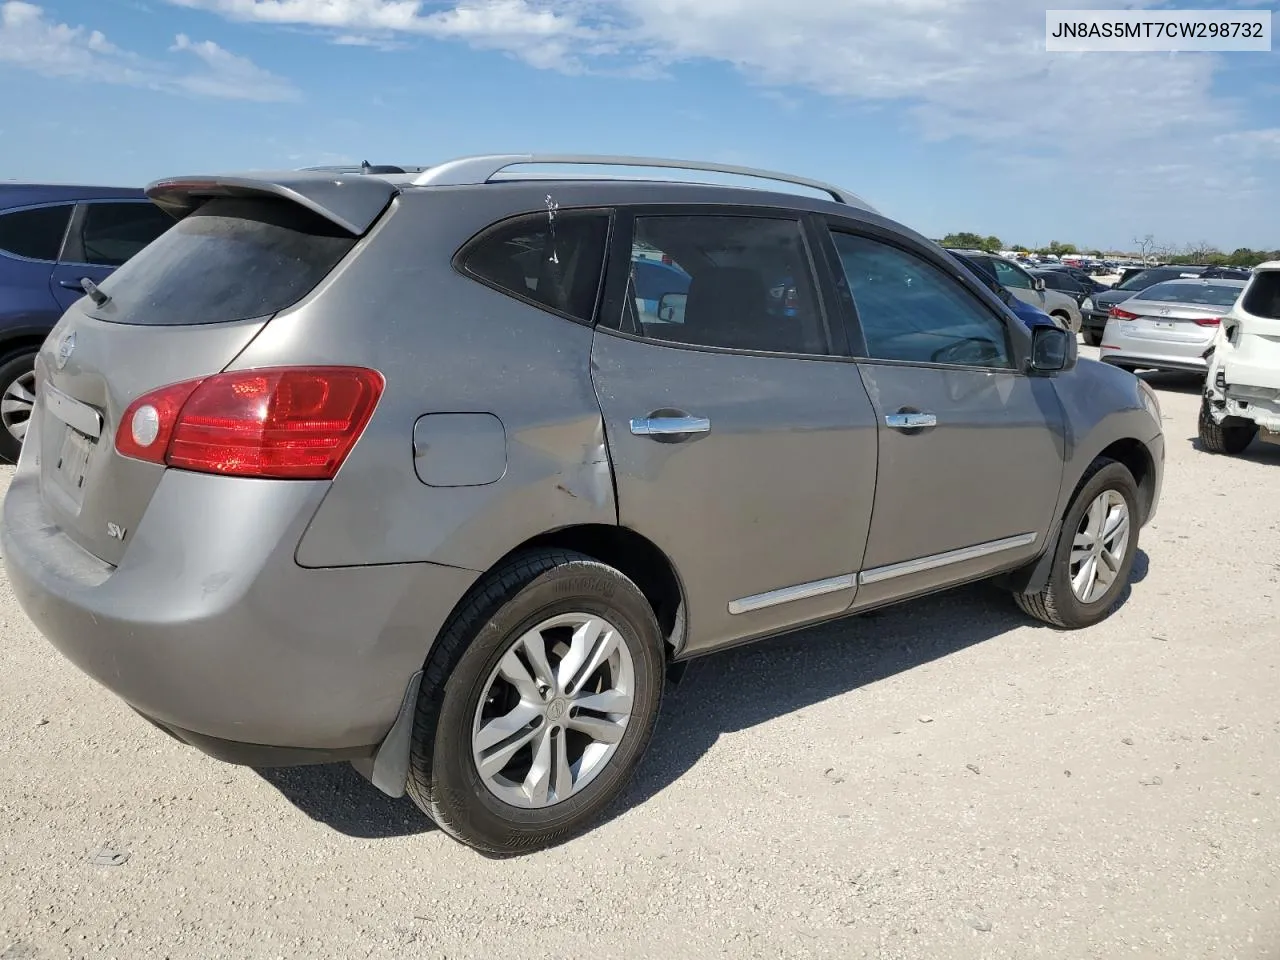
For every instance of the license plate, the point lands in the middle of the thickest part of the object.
(73, 462)
(1166, 324)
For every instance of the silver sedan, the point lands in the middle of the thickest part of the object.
(1168, 326)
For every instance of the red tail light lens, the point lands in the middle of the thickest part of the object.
(1208, 321)
(1119, 314)
(284, 422)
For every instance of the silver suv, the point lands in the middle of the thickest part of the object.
(438, 472)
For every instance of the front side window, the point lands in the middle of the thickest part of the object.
(113, 233)
(740, 283)
(1010, 275)
(35, 234)
(550, 260)
(910, 310)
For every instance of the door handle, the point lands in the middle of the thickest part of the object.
(669, 426)
(72, 285)
(911, 421)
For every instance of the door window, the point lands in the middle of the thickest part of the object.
(112, 233)
(1010, 275)
(552, 263)
(740, 283)
(35, 234)
(910, 310)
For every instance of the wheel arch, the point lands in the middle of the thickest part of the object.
(1131, 453)
(635, 556)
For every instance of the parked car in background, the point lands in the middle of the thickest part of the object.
(1031, 316)
(53, 237)
(275, 497)
(1169, 325)
(1080, 276)
(1097, 308)
(1030, 289)
(1064, 283)
(1242, 386)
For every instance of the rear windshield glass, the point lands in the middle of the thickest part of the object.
(233, 259)
(1263, 296)
(1209, 294)
(1145, 278)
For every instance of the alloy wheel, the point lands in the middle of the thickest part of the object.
(17, 403)
(554, 710)
(1100, 546)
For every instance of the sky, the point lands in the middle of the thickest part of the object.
(947, 115)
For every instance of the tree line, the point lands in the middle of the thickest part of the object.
(1147, 246)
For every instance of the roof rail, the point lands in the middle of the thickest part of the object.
(482, 169)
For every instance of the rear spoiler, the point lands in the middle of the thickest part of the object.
(351, 202)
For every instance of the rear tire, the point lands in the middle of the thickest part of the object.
(1092, 337)
(1230, 437)
(1069, 600)
(468, 704)
(17, 398)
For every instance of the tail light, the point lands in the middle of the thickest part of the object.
(1119, 314)
(295, 423)
(1208, 321)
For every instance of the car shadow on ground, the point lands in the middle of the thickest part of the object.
(1257, 452)
(1188, 383)
(720, 694)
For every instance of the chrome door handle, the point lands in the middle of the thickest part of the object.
(669, 426)
(911, 421)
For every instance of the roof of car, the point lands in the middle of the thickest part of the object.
(22, 193)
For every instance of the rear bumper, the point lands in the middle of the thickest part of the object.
(209, 628)
(1121, 358)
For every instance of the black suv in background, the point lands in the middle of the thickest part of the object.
(52, 238)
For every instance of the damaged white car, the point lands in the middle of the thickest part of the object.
(1242, 387)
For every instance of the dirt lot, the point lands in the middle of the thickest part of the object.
(941, 780)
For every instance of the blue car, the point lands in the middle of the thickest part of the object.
(52, 238)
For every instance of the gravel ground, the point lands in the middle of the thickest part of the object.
(940, 780)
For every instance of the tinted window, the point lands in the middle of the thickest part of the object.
(1210, 294)
(552, 263)
(1060, 281)
(1145, 278)
(230, 260)
(1009, 275)
(35, 234)
(736, 282)
(910, 310)
(113, 233)
(1262, 298)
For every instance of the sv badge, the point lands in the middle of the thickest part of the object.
(115, 531)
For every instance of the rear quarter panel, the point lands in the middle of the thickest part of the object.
(446, 344)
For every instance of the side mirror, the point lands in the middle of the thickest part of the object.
(1053, 350)
(671, 307)
(1038, 284)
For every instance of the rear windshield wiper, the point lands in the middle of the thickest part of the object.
(94, 292)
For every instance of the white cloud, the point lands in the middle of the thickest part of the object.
(975, 69)
(29, 39)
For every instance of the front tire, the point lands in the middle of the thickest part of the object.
(537, 703)
(17, 399)
(1094, 556)
(1230, 437)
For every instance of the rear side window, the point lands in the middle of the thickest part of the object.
(35, 234)
(232, 259)
(1262, 298)
(112, 233)
(549, 260)
(741, 283)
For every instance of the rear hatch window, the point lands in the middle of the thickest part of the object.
(232, 259)
(1262, 299)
